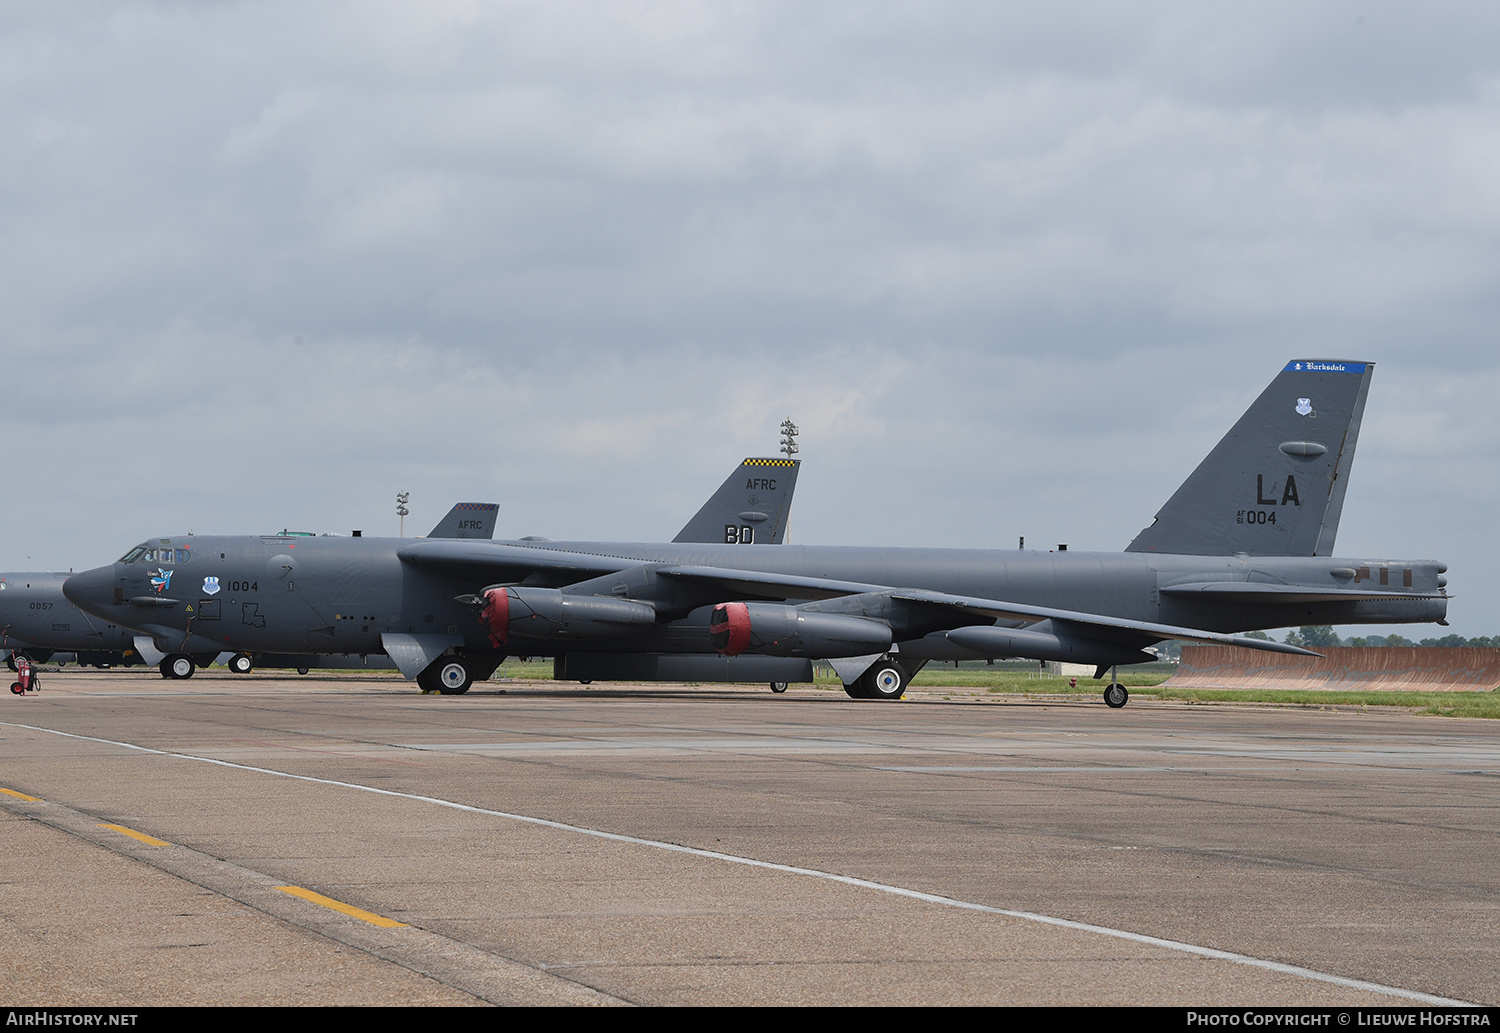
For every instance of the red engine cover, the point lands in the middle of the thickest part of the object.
(729, 628)
(496, 615)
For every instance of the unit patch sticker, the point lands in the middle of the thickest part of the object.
(161, 580)
(210, 586)
(1304, 406)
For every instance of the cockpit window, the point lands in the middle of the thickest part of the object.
(147, 554)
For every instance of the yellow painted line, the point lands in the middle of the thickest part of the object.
(339, 905)
(20, 796)
(133, 834)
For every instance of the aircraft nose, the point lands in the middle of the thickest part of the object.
(92, 590)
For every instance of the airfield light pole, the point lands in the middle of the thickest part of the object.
(789, 434)
(402, 498)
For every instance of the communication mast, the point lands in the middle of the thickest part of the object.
(402, 498)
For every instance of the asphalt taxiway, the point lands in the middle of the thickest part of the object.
(345, 840)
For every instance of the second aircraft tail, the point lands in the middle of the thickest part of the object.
(750, 508)
(467, 520)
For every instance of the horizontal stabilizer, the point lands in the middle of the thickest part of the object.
(1275, 484)
(467, 520)
(750, 508)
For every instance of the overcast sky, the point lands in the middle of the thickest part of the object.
(1014, 269)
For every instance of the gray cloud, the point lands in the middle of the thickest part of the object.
(1014, 270)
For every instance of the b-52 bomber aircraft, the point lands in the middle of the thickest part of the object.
(1245, 543)
(37, 621)
(752, 506)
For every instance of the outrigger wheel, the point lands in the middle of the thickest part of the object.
(1116, 696)
(778, 686)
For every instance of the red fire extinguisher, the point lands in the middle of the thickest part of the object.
(26, 677)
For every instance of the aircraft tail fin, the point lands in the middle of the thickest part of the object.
(1275, 484)
(750, 508)
(467, 520)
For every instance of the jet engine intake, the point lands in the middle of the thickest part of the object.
(775, 629)
(552, 613)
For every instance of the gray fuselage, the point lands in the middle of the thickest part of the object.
(340, 595)
(38, 620)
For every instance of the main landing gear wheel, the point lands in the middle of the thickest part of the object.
(886, 680)
(177, 666)
(454, 678)
(778, 686)
(239, 663)
(10, 661)
(451, 677)
(1116, 696)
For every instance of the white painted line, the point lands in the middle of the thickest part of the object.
(1046, 769)
(847, 880)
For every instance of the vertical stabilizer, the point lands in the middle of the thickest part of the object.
(467, 520)
(1275, 484)
(750, 508)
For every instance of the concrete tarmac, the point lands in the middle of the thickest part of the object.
(265, 839)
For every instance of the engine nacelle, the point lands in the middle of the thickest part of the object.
(774, 629)
(549, 613)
